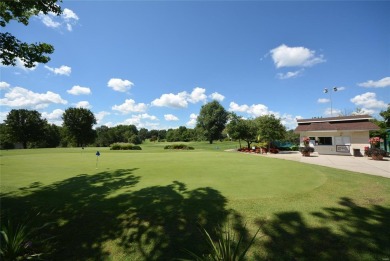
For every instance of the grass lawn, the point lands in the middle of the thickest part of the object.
(146, 205)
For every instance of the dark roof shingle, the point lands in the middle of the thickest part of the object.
(348, 123)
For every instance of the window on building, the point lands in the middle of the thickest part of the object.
(324, 140)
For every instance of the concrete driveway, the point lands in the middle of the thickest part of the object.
(357, 164)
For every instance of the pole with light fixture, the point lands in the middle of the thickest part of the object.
(330, 95)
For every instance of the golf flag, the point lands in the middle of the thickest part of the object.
(97, 158)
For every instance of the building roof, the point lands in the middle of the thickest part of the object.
(346, 123)
(341, 118)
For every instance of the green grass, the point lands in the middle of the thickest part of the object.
(146, 205)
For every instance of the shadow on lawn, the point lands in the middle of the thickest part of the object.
(154, 223)
(363, 234)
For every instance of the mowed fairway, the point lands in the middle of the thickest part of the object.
(146, 205)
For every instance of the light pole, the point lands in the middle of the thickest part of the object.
(330, 94)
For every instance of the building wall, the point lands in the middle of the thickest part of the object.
(357, 140)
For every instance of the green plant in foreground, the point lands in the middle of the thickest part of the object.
(225, 248)
(21, 241)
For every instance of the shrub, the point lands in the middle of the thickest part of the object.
(178, 147)
(115, 146)
(306, 149)
(376, 152)
(124, 146)
(135, 139)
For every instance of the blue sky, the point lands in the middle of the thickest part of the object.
(155, 63)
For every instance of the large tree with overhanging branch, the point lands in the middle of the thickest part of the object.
(11, 47)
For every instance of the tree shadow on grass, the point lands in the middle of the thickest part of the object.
(348, 232)
(87, 211)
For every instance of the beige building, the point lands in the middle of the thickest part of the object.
(346, 135)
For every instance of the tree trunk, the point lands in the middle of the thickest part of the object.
(24, 144)
(211, 141)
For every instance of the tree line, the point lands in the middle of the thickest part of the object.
(27, 129)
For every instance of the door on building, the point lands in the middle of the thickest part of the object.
(343, 144)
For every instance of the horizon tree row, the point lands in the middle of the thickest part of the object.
(28, 129)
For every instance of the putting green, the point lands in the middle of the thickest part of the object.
(236, 176)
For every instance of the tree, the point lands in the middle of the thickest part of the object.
(292, 137)
(212, 120)
(270, 128)
(240, 129)
(25, 126)
(103, 137)
(78, 123)
(384, 126)
(5, 140)
(143, 133)
(11, 47)
(386, 116)
(52, 136)
(135, 139)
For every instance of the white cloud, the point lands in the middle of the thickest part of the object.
(100, 115)
(69, 15)
(48, 20)
(55, 117)
(332, 112)
(120, 85)
(339, 89)
(170, 117)
(181, 99)
(217, 96)
(258, 110)
(130, 106)
(255, 110)
(172, 100)
(289, 75)
(384, 82)
(285, 56)
(238, 108)
(21, 97)
(20, 64)
(368, 100)
(364, 111)
(4, 85)
(323, 100)
(83, 104)
(63, 70)
(197, 95)
(65, 20)
(138, 121)
(78, 90)
(3, 116)
(289, 121)
(192, 121)
(147, 116)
